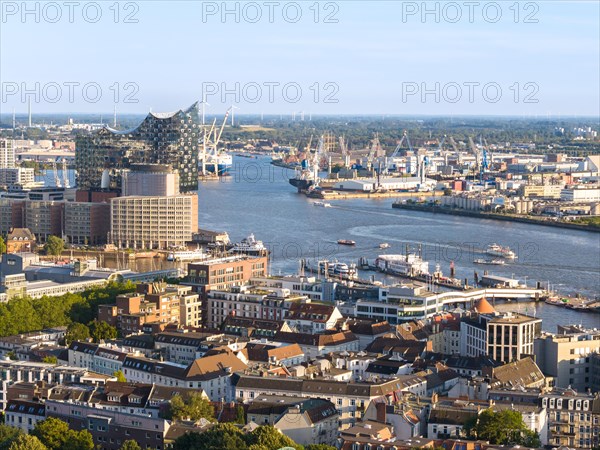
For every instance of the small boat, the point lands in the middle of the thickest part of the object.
(493, 262)
(384, 245)
(322, 204)
(346, 242)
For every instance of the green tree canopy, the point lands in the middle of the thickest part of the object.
(52, 432)
(192, 406)
(76, 332)
(120, 376)
(100, 330)
(223, 436)
(7, 435)
(27, 442)
(503, 428)
(319, 447)
(79, 440)
(54, 246)
(2, 245)
(130, 445)
(271, 438)
(50, 359)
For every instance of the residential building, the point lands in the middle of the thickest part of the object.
(350, 398)
(211, 373)
(504, 337)
(23, 414)
(20, 240)
(574, 418)
(312, 318)
(567, 357)
(304, 420)
(153, 221)
(7, 154)
(314, 345)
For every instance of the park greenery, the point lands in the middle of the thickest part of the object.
(23, 315)
(502, 428)
(2, 245)
(54, 246)
(192, 406)
(227, 436)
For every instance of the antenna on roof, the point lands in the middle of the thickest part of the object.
(115, 117)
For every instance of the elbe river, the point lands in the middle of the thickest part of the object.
(257, 198)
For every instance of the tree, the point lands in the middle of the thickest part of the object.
(76, 332)
(2, 245)
(26, 442)
(223, 436)
(271, 438)
(54, 246)
(100, 330)
(8, 435)
(120, 376)
(51, 359)
(52, 432)
(319, 447)
(240, 416)
(193, 406)
(130, 445)
(78, 440)
(503, 428)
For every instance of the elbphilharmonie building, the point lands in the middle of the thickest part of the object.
(162, 138)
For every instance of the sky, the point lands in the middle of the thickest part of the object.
(278, 57)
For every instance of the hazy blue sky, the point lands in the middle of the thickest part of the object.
(375, 57)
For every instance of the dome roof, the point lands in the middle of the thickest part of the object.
(482, 306)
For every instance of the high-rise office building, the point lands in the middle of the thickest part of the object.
(162, 138)
(7, 154)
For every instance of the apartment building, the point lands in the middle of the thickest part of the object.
(350, 398)
(504, 337)
(160, 222)
(568, 356)
(574, 418)
(211, 373)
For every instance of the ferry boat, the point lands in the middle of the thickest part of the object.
(407, 265)
(384, 245)
(322, 204)
(249, 245)
(494, 262)
(332, 268)
(346, 242)
(498, 250)
(188, 255)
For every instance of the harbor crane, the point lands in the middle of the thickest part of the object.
(390, 160)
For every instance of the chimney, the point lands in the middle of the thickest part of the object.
(381, 413)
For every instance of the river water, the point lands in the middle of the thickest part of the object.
(257, 198)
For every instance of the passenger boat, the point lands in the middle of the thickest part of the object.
(346, 242)
(494, 262)
(498, 250)
(187, 255)
(384, 245)
(404, 265)
(249, 245)
(322, 204)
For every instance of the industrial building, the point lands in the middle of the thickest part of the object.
(390, 184)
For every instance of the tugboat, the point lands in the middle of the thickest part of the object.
(346, 242)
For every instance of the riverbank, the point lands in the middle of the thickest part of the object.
(436, 209)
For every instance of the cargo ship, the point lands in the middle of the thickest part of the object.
(224, 163)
